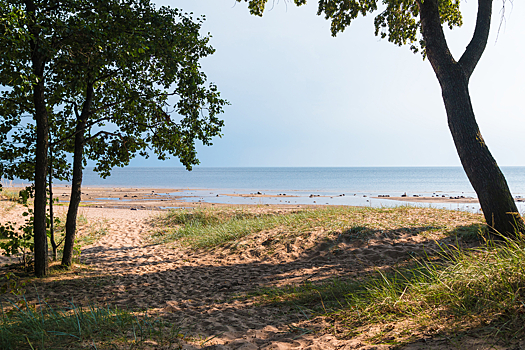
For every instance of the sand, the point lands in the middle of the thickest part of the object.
(204, 291)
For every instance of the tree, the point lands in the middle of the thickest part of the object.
(109, 70)
(404, 22)
(119, 75)
(25, 44)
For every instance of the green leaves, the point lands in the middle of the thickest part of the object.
(398, 20)
(149, 93)
(19, 240)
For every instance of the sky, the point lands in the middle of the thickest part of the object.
(302, 98)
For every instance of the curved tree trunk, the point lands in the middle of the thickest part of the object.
(76, 185)
(496, 201)
(499, 208)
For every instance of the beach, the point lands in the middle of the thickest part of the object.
(207, 291)
(166, 198)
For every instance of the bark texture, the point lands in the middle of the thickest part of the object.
(488, 181)
(76, 185)
(42, 143)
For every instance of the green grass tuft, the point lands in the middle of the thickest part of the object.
(79, 328)
(467, 288)
(208, 228)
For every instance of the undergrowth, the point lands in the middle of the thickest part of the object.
(75, 327)
(458, 290)
(90, 232)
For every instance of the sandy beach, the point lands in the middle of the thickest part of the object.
(205, 291)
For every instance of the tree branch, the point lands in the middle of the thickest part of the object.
(102, 132)
(475, 48)
(88, 125)
(20, 104)
(436, 45)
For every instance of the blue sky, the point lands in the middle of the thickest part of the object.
(300, 97)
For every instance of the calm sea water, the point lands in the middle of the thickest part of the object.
(306, 186)
(351, 179)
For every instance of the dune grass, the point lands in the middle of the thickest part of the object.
(458, 289)
(90, 232)
(207, 228)
(481, 289)
(10, 194)
(76, 327)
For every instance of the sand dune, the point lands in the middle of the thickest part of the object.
(205, 291)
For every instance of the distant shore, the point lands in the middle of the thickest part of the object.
(168, 198)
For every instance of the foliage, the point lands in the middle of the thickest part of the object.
(98, 79)
(449, 292)
(11, 284)
(135, 58)
(398, 20)
(20, 240)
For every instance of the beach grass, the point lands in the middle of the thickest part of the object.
(477, 287)
(90, 232)
(77, 327)
(480, 290)
(210, 227)
(453, 290)
(10, 194)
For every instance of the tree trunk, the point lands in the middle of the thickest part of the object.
(76, 195)
(76, 185)
(42, 132)
(499, 208)
(51, 213)
(42, 141)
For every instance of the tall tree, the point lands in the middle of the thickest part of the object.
(130, 60)
(25, 42)
(403, 22)
(110, 69)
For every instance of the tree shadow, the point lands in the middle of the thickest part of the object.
(210, 297)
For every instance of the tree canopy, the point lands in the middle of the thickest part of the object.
(398, 20)
(108, 80)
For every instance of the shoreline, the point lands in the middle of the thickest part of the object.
(159, 198)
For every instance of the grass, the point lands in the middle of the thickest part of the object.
(90, 232)
(456, 290)
(482, 289)
(73, 327)
(207, 228)
(10, 194)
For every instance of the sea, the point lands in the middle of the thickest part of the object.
(307, 185)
